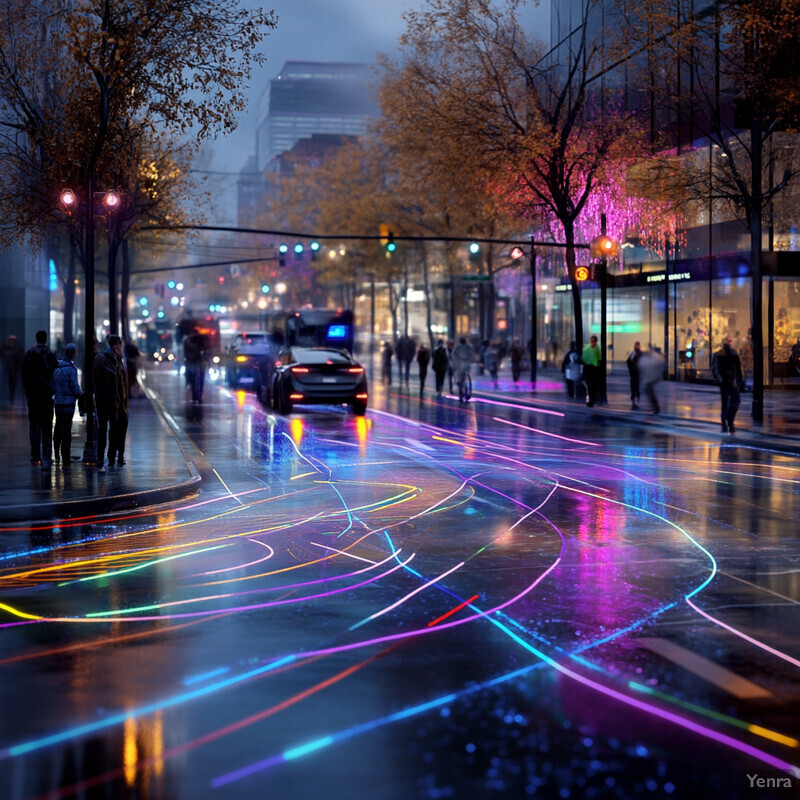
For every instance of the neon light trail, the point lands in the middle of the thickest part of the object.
(454, 602)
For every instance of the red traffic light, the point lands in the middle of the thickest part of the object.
(517, 253)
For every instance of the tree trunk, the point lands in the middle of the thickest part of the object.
(577, 309)
(113, 315)
(426, 279)
(124, 290)
(756, 294)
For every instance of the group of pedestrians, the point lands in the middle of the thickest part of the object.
(646, 370)
(441, 360)
(52, 390)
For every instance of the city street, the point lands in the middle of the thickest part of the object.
(435, 600)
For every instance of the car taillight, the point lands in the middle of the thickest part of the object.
(295, 397)
(356, 369)
(299, 369)
(361, 396)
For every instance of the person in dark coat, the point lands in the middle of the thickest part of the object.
(12, 355)
(633, 372)
(111, 398)
(423, 359)
(386, 363)
(195, 357)
(38, 365)
(440, 364)
(517, 353)
(726, 367)
(406, 347)
(67, 391)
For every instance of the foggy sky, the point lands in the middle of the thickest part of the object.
(322, 30)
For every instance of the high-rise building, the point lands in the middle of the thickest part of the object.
(309, 98)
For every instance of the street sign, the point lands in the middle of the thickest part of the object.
(476, 277)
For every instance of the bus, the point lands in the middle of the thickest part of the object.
(312, 327)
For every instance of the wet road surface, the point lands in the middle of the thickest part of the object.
(431, 601)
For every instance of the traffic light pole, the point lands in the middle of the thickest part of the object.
(603, 321)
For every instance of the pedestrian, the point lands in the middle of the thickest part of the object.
(517, 354)
(441, 362)
(406, 348)
(38, 365)
(571, 369)
(633, 372)
(111, 400)
(726, 367)
(491, 360)
(423, 359)
(650, 367)
(450, 347)
(482, 356)
(591, 358)
(12, 355)
(132, 355)
(195, 359)
(386, 362)
(67, 391)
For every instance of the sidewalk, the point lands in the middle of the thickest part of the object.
(688, 407)
(156, 471)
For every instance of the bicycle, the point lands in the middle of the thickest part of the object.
(464, 386)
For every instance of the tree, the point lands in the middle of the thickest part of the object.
(544, 136)
(733, 84)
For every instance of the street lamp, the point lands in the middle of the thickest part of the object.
(110, 200)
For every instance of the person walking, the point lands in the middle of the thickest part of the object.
(67, 391)
(38, 365)
(450, 347)
(592, 358)
(12, 355)
(111, 400)
(461, 361)
(650, 367)
(491, 360)
(633, 372)
(726, 367)
(517, 353)
(386, 362)
(423, 359)
(441, 361)
(571, 369)
(406, 347)
(195, 359)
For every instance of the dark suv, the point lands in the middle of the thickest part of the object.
(250, 362)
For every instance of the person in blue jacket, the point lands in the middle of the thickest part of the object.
(67, 391)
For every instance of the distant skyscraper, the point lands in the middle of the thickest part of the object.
(309, 97)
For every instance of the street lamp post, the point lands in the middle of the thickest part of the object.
(111, 201)
(534, 302)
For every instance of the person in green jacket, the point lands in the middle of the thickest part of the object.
(591, 370)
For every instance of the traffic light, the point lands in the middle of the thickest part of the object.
(298, 252)
(603, 247)
(283, 249)
(264, 288)
(581, 273)
(390, 245)
(516, 253)
(474, 252)
(314, 248)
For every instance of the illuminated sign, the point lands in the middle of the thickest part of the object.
(581, 273)
(660, 277)
(337, 332)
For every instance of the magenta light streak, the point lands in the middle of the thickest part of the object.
(536, 409)
(546, 433)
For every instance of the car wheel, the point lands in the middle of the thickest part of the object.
(359, 408)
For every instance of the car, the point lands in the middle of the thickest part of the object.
(250, 361)
(319, 375)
